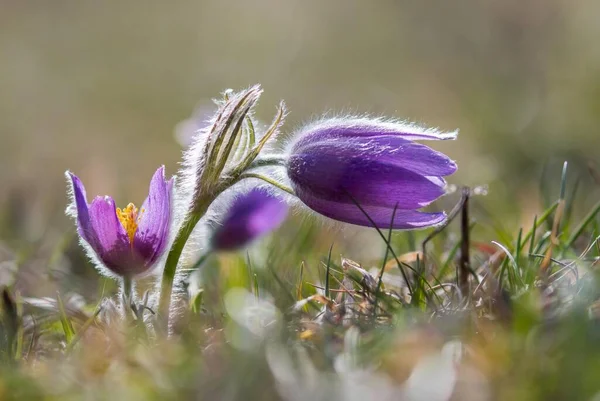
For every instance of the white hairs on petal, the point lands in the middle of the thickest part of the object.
(418, 132)
(71, 211)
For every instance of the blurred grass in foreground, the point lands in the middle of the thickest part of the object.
(517, 319)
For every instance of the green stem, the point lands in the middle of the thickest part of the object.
(270, 161)
(268, 180)
(166, 287)
(127, 288)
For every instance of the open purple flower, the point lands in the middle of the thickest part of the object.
(252, 215)
(128, 241)
(336, 164)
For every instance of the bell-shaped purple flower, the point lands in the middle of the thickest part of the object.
(251, 215)
(128, 241)
(336, 164)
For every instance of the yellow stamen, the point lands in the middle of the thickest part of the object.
(129, 219)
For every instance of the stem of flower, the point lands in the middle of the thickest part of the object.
(166, 287)
(127, 289)
(269, 161)
(268, 180)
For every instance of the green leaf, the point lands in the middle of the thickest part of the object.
(64, 320)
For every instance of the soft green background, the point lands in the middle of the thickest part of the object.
(97, 87)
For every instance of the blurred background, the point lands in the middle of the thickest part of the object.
(98, 87)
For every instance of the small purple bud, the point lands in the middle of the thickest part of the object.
(251, 215)
(336, 164)
(128, 241)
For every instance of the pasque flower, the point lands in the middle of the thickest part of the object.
(251, 215)
(128, 241)
(337, 164)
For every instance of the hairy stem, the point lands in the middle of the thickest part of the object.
(269, 161)
(270, 181)
(127, 296)
(168, 278)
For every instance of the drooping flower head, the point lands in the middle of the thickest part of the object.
(129, 241)
(251, 215)
(335, 164)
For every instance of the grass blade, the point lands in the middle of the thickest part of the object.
(67, 326)
(581, 227)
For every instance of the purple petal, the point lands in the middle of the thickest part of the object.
(386, 149)
(84, 227)
(154, 219)
(112, 243)
(332, 174)
(382, 216)
(338, 162)
(422, 159)
(363, 127)
(251, 215)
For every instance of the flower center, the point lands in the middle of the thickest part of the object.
(129, 219)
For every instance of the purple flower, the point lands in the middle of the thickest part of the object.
(335, 164)
(252, 215)
(127, 241)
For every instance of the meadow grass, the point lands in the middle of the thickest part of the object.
(444, 314)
